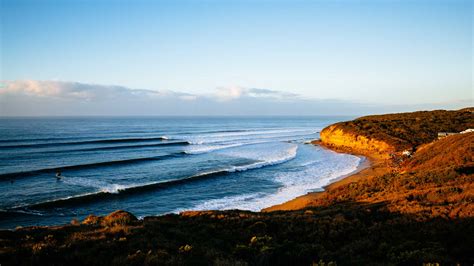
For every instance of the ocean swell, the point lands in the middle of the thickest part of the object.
(312, 176)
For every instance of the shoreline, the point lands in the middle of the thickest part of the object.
(364, 215)
(371, 166)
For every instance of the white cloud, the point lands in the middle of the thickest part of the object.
(229, 93)
(31, 87)
(256, 92)
(91, 92)
(235, 92)
(72, 90)
(30, 97)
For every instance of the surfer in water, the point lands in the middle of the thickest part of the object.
(58, 174)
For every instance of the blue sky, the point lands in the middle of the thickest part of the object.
(364, 52)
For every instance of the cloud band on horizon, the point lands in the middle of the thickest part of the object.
(46, 98)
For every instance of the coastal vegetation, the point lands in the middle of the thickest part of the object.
(417, 210)
(348, 233)
(392, 133)
(436, 181)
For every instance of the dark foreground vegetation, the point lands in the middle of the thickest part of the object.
(346, 234)
(417, 212)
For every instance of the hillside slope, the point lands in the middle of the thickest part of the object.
(437, 181)
(393, 133)
(417, 211)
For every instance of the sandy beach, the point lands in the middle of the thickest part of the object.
(392, 209)
(372, 165)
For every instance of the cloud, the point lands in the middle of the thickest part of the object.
(229, 93)
(235, 92)
(68, 90)
(32, 98)
(91, 92)
(255, 92)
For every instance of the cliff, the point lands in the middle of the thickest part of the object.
(435, 182)
(419, 212)
(336, 137)
(382, 135)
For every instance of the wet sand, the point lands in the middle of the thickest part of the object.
(372, 165)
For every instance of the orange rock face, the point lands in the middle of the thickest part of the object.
(335, 136)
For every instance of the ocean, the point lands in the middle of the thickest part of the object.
(158, 165)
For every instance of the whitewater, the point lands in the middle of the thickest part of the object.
(158, 165)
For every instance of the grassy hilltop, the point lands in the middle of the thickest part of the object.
(419, 210)
(398, 132)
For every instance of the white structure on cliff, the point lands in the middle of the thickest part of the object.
(446, 134)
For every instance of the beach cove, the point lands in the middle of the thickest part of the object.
(424, 199)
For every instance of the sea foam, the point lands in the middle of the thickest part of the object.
(308, 176)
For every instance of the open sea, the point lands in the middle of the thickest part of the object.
(158, 165)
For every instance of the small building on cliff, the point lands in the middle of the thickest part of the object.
(442, 135)
(469, 130)
(446, 134)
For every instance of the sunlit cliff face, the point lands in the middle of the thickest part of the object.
(333, 135)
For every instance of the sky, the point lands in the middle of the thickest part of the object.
(231, 57)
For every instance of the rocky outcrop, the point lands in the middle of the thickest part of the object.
(119, 218)
(395, 133)
(92, 220)
(335, 136)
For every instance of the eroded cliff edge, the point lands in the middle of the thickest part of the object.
(412, 171)
(335, 137)
(418, 213)
(387, 135)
